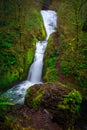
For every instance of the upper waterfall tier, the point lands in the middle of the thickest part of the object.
(50, 21)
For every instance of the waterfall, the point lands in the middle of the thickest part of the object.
(16, 93)
(35, 72)
(50, 23)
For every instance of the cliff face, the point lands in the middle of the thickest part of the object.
(70, 52)
(50, 72)
(21, 26)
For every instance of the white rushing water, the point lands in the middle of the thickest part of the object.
(50, 21)
(17, 93)
(35, 72)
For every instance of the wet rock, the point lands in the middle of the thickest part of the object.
(61, 102)
(46, 4)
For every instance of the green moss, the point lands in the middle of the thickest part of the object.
(73, 41)
(64, 68)
(33, 97)
(28, 59)
(18, 41)
(50, 60)
(35, 25)
(28, 93)
(67, 110)
(12, 123)
(10, 77)
(37, 99)
(51, 75)
(29, 56)
(71, 102)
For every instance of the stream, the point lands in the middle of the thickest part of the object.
(17, 93)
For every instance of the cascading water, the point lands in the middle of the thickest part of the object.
(50, 23)
(35, 72)
(17, 93)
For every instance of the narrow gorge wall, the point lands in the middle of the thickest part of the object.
(72, 38)
(21, 26)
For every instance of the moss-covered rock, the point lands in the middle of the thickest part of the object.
(34, 96)
(72, 38)
(68, 109)
(50, 73)
(63, 103)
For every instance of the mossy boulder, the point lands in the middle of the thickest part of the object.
(34, 96)
(62, 103)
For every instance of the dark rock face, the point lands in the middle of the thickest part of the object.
(82, 121)
(46, 4)
(52, 94)
(61, 102)
(84, 28)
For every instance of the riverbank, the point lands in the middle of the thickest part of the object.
(22, 118)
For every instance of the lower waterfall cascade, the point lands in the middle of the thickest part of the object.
(17, 93)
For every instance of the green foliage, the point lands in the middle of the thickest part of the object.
(35, 25)
(52, 70)
(7, 59)
(73, 39)
(51, 57)
(35, 103)
(37, 100)
(71, 102)
(12, 123)
(82, 80)
(3, 105)
(64, 67)
(19, 31)
(51, 75)
(29, 56)
(6, 39)
(52, 60)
